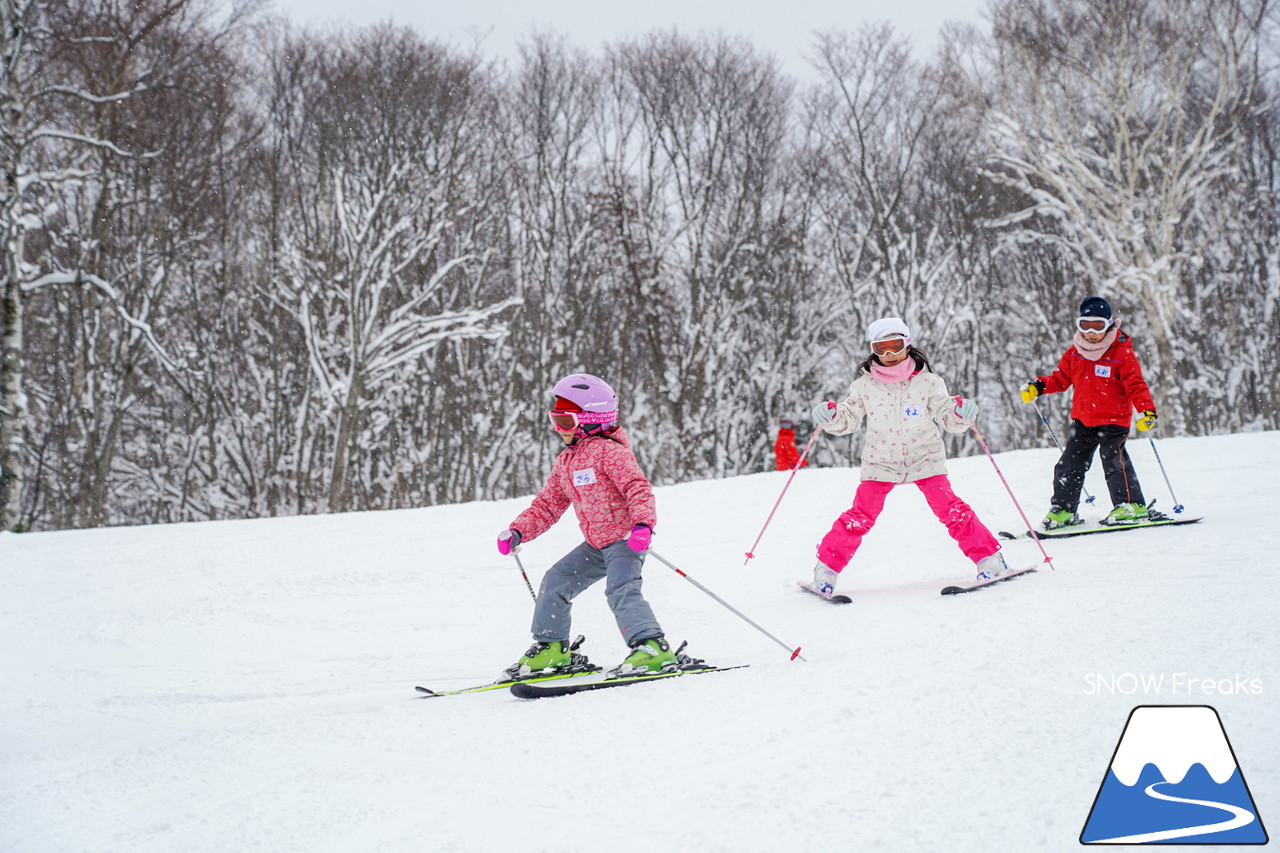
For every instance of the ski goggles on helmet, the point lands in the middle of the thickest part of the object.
(562, 420)
(1093, 324)
(565, 421)
(889, 346)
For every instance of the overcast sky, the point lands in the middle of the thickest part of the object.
(784, 29)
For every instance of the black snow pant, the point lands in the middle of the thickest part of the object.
(1077, 456)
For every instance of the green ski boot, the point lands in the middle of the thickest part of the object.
(550, 658)
(648, 657)
(1056, 518)
(1126, 514)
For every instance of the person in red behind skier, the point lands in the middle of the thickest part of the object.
(785, 452)
(903, 402)
(598, 475)
(1101, 366)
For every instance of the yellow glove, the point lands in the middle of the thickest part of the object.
(1147, 421)
(1032, 390)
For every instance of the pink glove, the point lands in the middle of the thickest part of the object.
(508, 540)
(640, 537)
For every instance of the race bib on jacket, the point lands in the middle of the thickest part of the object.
(912, 412)
(1103, 370)
(585, 477)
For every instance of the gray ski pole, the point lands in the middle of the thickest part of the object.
(1054, 435)
(1177, 507)
(795, 653)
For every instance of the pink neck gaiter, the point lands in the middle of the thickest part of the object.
(1093, 352)
(900, 372)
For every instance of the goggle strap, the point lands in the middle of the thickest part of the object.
(576, 419)
(597, 417)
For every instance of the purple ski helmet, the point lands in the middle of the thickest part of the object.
(596, 403)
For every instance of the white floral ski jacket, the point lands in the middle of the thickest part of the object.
(903, 443)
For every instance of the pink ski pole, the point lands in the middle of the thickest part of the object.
(1030, 528)
(751, 553)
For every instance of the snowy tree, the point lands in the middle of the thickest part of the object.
(378, 235)
(551, 109)
(370, 255)
(892, 168)
(1119, 123)
(148, 225)
(67, 67)
(867, 123)
(695, 152)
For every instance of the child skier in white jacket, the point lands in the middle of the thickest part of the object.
(903, 402)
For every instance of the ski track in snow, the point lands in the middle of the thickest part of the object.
(248, 685)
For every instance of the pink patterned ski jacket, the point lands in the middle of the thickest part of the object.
(600, 477)
(903, 444)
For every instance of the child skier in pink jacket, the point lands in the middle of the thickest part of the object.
(903, 402)
(596, 474)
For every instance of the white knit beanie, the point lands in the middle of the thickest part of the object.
(886, 327)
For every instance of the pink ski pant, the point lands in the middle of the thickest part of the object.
(841, 542)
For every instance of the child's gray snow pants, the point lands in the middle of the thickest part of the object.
(579, 569)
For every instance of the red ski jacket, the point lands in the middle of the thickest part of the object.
(1107, 390)
(600, 478)
(785, 452)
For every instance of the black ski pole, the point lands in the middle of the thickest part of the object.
(795, 653)
(1054, 435)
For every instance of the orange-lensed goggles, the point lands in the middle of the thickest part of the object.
(1092, 324)
(562, 420)
(889, 346)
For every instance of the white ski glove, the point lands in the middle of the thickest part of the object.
(824, 412)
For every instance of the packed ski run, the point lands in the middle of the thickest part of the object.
(904, 406)
(220, 686)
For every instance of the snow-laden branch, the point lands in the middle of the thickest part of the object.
(26, 180)
(429, 332)
(76, 279)
(54, 133)
(91, 98)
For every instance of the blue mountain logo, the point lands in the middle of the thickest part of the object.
(1174, 779)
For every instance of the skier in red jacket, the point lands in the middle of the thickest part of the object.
(785, 451)
(1104, 371)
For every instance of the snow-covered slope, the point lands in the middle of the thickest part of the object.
(248, 685)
